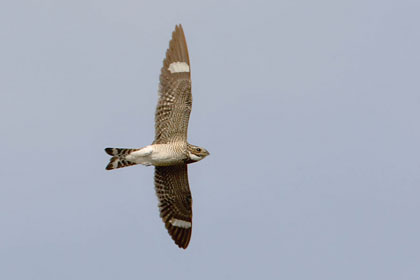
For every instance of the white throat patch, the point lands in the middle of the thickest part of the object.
(195, 157)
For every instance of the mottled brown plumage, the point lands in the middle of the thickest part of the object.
(170, 152)
(175, 99)
(171, 125)
(173, 191)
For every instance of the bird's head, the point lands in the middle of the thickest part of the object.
(196, 153)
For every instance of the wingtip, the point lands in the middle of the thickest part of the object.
(182, 245)
(179, 29)
(180, 236)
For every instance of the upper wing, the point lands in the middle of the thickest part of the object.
(175, 202)
(175, 100)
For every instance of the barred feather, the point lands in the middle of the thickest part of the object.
(118, 159)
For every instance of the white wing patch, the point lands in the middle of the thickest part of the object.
(178, 67)
(180, 223)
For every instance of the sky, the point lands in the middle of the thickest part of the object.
(310, 110)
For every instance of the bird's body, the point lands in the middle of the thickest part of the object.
(170, 152)
(155, 154)
(161, 154)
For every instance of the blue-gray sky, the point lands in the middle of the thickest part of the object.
(310, 110)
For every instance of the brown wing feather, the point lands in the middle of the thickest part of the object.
(175, 99)
(175, 202)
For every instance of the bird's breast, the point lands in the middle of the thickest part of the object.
(167, 154)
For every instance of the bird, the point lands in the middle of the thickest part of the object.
(170, 152)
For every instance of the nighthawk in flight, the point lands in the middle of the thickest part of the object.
(170, 152)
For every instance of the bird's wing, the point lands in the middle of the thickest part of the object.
(175, 99)
(175, 202)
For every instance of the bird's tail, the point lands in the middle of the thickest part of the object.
(118, 159)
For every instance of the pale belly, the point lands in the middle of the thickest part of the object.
(157, 155)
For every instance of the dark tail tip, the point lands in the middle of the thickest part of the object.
(109, 151)
(113, 163)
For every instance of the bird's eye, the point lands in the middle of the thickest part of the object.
(198, 150)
